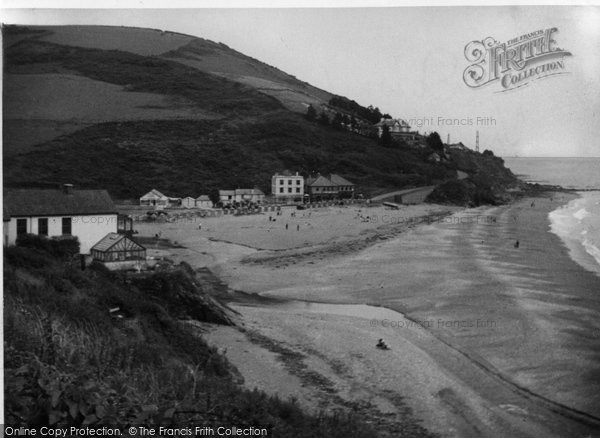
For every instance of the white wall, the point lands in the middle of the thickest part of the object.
(88, 229)
(288, 182)
(188, 202)
(204, 204)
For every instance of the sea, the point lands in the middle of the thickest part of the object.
(578, 222)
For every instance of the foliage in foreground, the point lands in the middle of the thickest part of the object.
(69, 362)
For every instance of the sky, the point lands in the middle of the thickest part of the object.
(409, 62)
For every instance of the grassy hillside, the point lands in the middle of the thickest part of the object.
(138, 73)
(221, 60)
(71, 362)
(197, 118)
(188, 157)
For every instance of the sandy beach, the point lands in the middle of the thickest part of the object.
(486, 339)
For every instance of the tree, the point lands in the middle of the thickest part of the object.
(435, 142)
(488, 153)
(353, 124)
(323, 119)
(311, 113)
(386, 138)
(337, 121)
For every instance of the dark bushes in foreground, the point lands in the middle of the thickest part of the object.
(69, 361)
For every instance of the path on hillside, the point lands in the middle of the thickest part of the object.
(421, 192)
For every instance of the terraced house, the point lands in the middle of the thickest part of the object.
(228, 197)
(88, 215)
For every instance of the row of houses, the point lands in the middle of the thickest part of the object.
(159, 201)
(241, 196)
(285, 187)
(91, 215)
(288, 187)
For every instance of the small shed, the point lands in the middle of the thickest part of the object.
(203, 201)
(117, 247)
(188, 202)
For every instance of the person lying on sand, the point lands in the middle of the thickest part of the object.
(382, 345)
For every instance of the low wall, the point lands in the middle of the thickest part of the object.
(127, 265)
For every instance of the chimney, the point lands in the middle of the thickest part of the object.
(67, 189)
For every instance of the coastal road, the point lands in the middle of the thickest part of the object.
(418, 194)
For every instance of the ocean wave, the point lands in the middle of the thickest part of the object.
(578, 226)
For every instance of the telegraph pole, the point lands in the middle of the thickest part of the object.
(477, 142)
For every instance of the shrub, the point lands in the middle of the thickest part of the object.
(60, 247)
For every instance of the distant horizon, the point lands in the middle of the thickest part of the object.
(541, 156)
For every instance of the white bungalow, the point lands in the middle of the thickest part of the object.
(203, 201)
(88, 215)
(155, 199)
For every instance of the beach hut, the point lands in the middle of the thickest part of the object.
(203, 201)
(188, 202)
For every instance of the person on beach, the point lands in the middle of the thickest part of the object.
(381, 344)
(517, 244)
(286, 226)
(298, 227)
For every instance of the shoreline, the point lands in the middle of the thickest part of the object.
(571, 222)
(454, 353)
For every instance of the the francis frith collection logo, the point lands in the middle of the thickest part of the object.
(516, 62)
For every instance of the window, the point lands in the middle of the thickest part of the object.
(280, 189)
(280, 181)
(289, 182)
(66, 226)
(297, 189)
(297, 182)
(289, 190)
(43, 226)
(21, 226)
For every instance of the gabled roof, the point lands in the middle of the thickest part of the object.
(54, 202)
(188, 197)
(339, 181)
(203, 198)
(154, 194)
(226, 192)
(319, 181)
(392, 122)
(109, 241)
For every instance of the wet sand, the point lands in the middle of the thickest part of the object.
(506, 340)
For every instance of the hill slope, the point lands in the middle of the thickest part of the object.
(130, 109)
